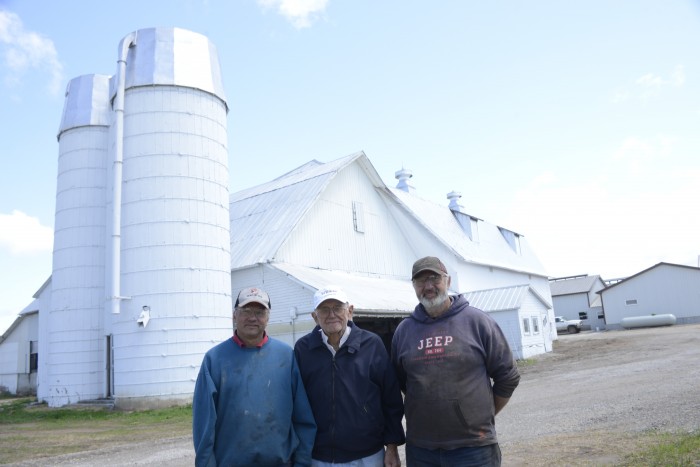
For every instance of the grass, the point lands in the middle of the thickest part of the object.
(670, 450)
(525, 362)
(30, 431)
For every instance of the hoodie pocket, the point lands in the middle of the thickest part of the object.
(435, 420)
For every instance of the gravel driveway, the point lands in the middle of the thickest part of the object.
(592, 400)
(597, 396)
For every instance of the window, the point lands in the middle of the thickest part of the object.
(631, 302)
(469, 224)
(535, 325)
(33, 356)
(512, 238)
(582, 315)
(526, 326)
(358, 216)
(601, 315)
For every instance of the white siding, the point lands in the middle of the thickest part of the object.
(285, 294)
(536, 342)
(15, 375)
(74, 348)
(175, 241)
(569, 306)
(508, 322)
(326, 237)
(665, 288)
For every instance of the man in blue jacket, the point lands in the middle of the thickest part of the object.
(250, 406)
(352, 388)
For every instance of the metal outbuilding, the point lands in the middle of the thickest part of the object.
(576, 297)
(662, 289)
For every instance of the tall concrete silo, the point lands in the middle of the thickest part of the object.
(175, 242)
(164, 246)
(72, 332)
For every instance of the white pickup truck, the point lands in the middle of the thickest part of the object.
(572, 326)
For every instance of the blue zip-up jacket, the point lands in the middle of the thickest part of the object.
(250, 408)
(355, 396)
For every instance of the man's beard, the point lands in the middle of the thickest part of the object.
(434, 304)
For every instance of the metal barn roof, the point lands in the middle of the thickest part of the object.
(502, 298)
(262, 217)
(370, 296)
(490, 249)
(574, 285)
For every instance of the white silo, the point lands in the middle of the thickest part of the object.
(72, 337)
(171, 300)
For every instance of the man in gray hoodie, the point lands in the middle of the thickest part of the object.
(457, 372)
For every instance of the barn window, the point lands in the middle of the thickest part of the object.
(358, 216)
(631, 302)
(526, 326)
(33, 356)
(469, 224)
(512, 238)
(535, 325)
(582, 315)
(601, 315)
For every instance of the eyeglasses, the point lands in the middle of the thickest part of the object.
(433, 279)
(252, 312)
(325, 311)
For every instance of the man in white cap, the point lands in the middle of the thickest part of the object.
(352, 388)
(457, 372)
(249, 405)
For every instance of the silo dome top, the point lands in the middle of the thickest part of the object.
(172, 56)
(86, 103)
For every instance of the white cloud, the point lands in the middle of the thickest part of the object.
(23, 234)
(650, 85)
(24, 50)
(301, 13)
(678, 76)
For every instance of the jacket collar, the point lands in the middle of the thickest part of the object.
(352, 344)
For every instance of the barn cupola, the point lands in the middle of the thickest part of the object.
(403, 176)
(455, 205)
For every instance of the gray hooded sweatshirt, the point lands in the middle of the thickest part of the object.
(449, 369)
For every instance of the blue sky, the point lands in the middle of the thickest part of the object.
(572, 123)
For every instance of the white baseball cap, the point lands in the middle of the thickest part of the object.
(329, 292)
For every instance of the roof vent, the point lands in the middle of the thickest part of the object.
(403, 176)
(455, 205)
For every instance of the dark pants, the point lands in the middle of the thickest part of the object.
(482, 456)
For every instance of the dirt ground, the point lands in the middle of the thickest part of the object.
(601, 395)
(597, 397)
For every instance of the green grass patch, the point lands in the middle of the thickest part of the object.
(525, 362)
(32, 432)
(671, 450)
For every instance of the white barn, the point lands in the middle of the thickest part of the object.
(664, 288)
(339, 223)
(19, 354)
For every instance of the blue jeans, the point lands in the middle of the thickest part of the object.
(481, 456)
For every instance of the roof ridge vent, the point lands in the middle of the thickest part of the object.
(455, 205)
(403, 177)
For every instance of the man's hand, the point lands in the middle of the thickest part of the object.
(391, 456)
